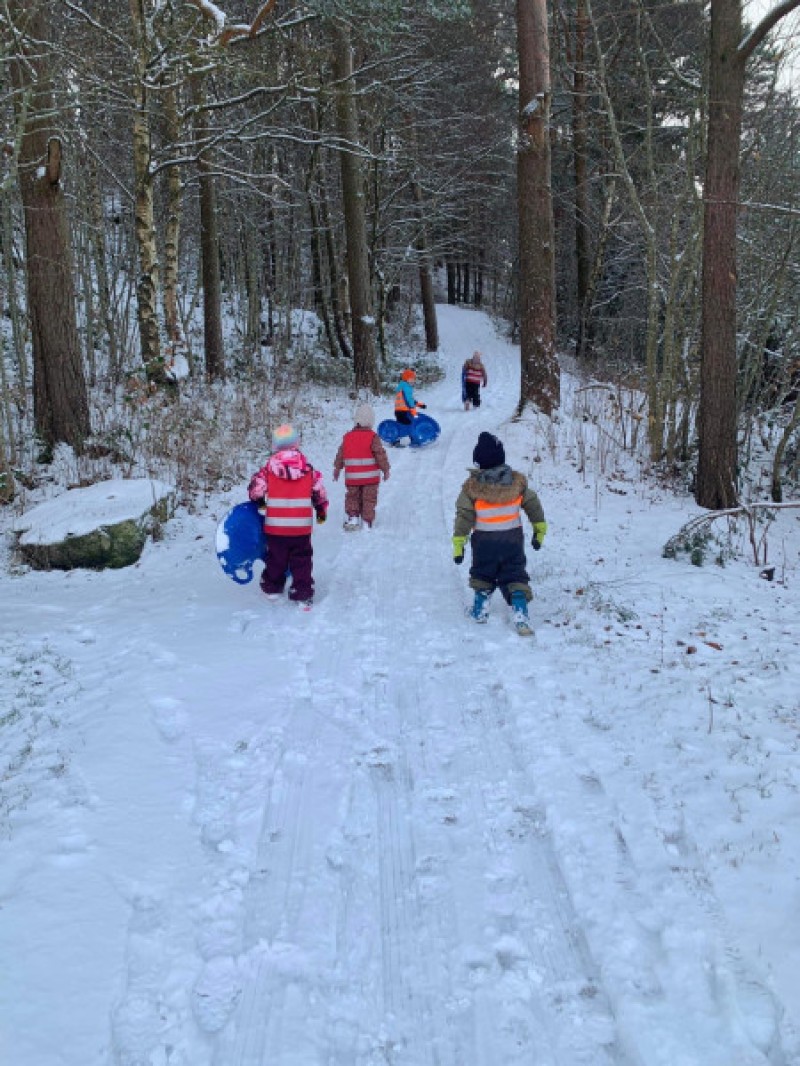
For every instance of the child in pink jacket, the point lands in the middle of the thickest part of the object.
(294, 494)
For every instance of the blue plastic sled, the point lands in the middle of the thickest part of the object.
(241, 541)
(423, 430)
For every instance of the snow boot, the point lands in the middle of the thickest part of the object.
(352, 522)
(519, 605)
(480, 608)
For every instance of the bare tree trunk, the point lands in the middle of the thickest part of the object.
(452, 287)
(425, 275)
(540, 383)
(173, 224)
(358, 271)
(655, 422)
(716, 484)
(60, 399)
(144, 220)
(98, 232)
(580, 150)
(331, 259)
(428, 307)
(717, 462)
(251, 252)
(323, 281)
(209, 248)
(321, 300)
(15, 309)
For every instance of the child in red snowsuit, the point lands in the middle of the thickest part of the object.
(363, 458)
(294, 493)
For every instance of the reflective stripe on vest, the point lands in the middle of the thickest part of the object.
(360, 472)
(400, 402)
(290, 512)
(493, 517)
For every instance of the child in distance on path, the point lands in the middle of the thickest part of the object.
(474, 376)
(293, 493)
(363, 458)
(488, 514)
(405, 404)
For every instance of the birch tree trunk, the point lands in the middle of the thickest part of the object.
(97, 224)
(144, 219)
(60, 399)
(540, 383)
(173, 225)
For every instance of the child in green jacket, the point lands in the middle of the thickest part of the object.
(488, 513)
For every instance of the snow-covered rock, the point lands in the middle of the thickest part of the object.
(96, 528)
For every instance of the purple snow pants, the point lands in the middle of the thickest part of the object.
(294, 554)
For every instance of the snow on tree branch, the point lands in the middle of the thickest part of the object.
(759, 32)
(226, 33)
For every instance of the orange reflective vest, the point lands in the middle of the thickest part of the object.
(289, 512)
(494, 517)
(401, 404)
(360, 467)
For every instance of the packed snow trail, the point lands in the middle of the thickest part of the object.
(375, 833)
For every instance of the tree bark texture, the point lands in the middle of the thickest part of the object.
(540, 371)
(358, 270)
(173, 224)
(147, 287)
(580, 149)
(425, 275)
(717, 461)
(209, 252)
(60, 399)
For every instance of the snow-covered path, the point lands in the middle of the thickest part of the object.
(379, 834)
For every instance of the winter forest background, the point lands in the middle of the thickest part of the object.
(372, 833)
(179, 179)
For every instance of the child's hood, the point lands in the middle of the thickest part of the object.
(495, 475)
(289, 464)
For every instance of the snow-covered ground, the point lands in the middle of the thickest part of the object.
(234, 834)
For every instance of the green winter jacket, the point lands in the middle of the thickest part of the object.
(500, 484)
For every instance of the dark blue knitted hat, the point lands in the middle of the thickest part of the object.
(488, 452)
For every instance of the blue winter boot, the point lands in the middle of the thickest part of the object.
(480, 608)
(519, 605)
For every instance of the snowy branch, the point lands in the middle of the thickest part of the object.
(226, 34)
(770, 20)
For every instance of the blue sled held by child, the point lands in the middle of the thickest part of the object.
(422, 431)
(241, 541)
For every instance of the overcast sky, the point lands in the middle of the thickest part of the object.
(787, 33)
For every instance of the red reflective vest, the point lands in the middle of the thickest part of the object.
(494, 517)
(289, 512)
(360, 467)
(475, 372)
